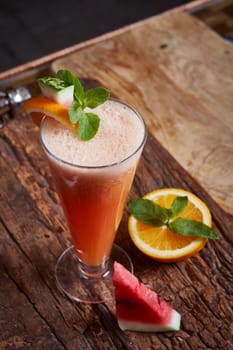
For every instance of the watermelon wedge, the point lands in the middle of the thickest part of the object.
(63, 96)
(139, 308)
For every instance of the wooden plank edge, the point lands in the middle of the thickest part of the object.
(8, 77)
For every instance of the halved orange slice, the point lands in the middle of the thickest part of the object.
(160, 242)
(38, 107)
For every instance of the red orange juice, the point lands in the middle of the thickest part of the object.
(93, 210)
(93, 178)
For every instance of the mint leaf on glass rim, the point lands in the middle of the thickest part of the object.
(74, 112)
(88, 125)
(87, 122)
(95, 97)
(66, 76)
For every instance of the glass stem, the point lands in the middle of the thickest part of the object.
(96, 271)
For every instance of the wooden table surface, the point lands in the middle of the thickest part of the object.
(179, 75)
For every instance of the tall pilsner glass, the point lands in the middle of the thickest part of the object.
(93, 179)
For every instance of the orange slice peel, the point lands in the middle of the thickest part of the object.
(160, 243)
(38, 107)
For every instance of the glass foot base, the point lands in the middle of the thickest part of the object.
(71, 282)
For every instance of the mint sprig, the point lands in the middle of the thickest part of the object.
(153, 214)
(53, 82)
(87, 122)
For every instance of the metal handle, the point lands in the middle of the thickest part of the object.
(10, 99)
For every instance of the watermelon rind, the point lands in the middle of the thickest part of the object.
(132, 325)
(63, 97)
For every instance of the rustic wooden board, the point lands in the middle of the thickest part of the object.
(179, 75)
(34, 315)
(219, 17)
(8, 76)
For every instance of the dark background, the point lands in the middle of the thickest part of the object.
(30, 29)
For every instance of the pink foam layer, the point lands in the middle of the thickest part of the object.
(120, 134)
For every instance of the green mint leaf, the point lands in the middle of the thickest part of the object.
(55, 83)
(75, 112)
(66, 76)
(69, 78)
(178, 205)
(79, 93)
(88, 125)
(189, 227)
(148, 211)
(88, 122)
(95, 97)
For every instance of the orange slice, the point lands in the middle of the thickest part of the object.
(38, 107)
(161, 243)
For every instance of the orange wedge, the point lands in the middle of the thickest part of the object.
(160, 243)
(38, 107)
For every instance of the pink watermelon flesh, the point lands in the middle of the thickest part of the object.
(138, 307)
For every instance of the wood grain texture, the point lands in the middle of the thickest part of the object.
(34, 315)
(7, 76)
(219, 17)
(33, 233)
(178, 74)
